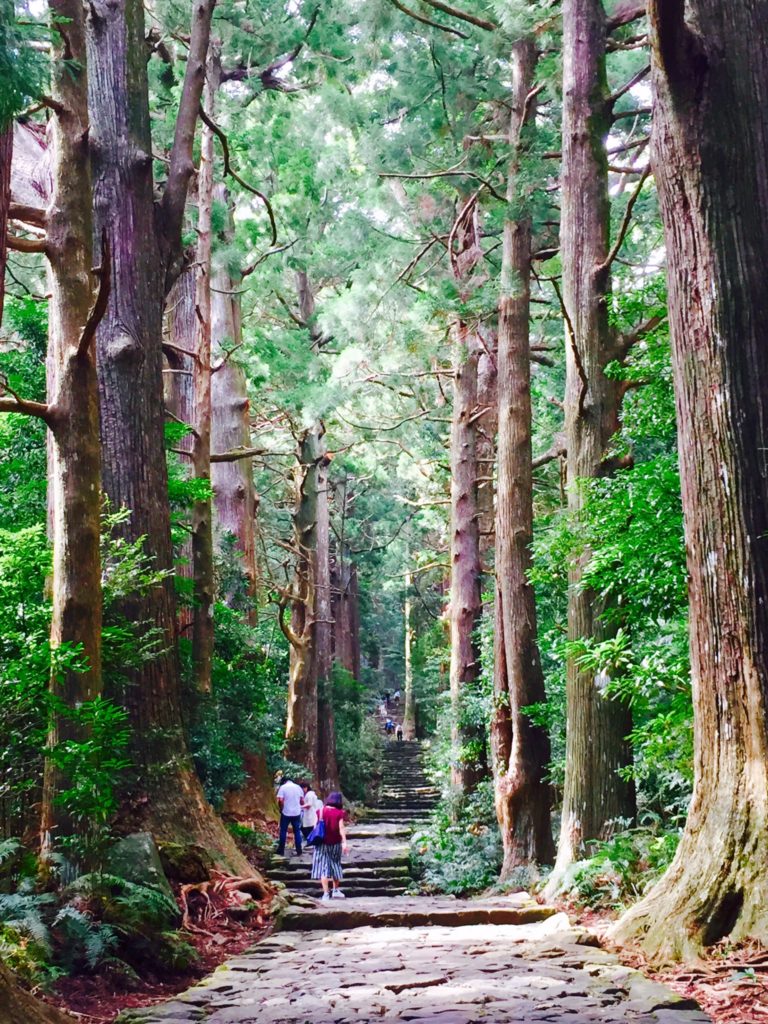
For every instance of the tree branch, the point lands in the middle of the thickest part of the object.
(625, 222)
(104, 274)
(18, 244)
(574, 348)
(34, 215)
(228, 169)
(22, 405)
(454, 12)
(236, 454)
(625, 13)
(426, 21)
(558, 450)
(181, 166)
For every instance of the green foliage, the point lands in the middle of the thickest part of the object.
(359, 745)
(460, 852)
(245, 711)
(622, 869)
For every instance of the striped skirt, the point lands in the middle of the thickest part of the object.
(326, 862)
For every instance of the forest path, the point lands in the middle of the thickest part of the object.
(393, 957)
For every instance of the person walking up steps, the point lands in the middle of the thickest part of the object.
(310, 805)
(326, 862)
(289, 797)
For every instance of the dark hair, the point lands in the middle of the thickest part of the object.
(335, 800)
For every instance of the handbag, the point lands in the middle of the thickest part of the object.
(317, 836)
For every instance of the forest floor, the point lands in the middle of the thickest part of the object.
(730, 982)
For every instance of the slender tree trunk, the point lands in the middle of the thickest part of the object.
(346, 616)
(73, 407)
(465, 605)
(6, 153)
(301, 731)
(328, 774)
(520, 748)
(179, 397)
(145, 243)
(595, 795)
(202, 510)
(234, 495)
(486, 428)
(409, 717)
(710, 154)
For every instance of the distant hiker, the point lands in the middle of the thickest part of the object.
(383, 709)
(396, 698)
(289, 798)
(310, 805)
(389, 727)
(326, 862)
(386, 699)
(399, 733)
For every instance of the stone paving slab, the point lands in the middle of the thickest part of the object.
(413, 911)
(470, 974)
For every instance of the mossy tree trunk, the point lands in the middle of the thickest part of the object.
(146, 250)
(710, 154)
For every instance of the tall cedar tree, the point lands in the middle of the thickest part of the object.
(520, 748)
(710, 154)
(465, 604)
(145, 244)
(595, 795)
(72, 409)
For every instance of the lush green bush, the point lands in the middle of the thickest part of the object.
(359, 744)
(622, 868)
(460, 851)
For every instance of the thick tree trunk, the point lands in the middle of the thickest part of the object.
(409, 715)
(301, 731)
(202, 510)
(710, 154)
(234, 495)
(73, 406)
(19, 1007)
(520, 748)
(465, 604)
(6, 153)
(595, 795)
(145, 244)
(328, 774)
(345, 613)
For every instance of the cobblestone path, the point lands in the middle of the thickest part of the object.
(384, 956)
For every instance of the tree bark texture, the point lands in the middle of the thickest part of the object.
(710, 155)
(328, 774)
(301, 731)
(345, 612)
(595, 795)
(6, 154)
(202, 510)
(145, 244)
(19, 1007)
(465, 605)
(234, 495)
(520, 748)
(73, 404)
(409, 715)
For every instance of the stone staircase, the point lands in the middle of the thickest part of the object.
(378, 861)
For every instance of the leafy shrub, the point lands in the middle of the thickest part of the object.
(359, 744)
(621, 869)
(460, 856)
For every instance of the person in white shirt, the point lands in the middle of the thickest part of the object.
(310, 805)
(289, 798)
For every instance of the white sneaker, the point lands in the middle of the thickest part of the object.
(338, 895)
(325, 896)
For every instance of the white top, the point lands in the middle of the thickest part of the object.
(312, 804)
(291, 795)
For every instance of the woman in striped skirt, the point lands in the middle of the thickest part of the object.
(326, 862)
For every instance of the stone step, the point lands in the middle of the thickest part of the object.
(351, 888)
(365, 882)
(411, 912)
